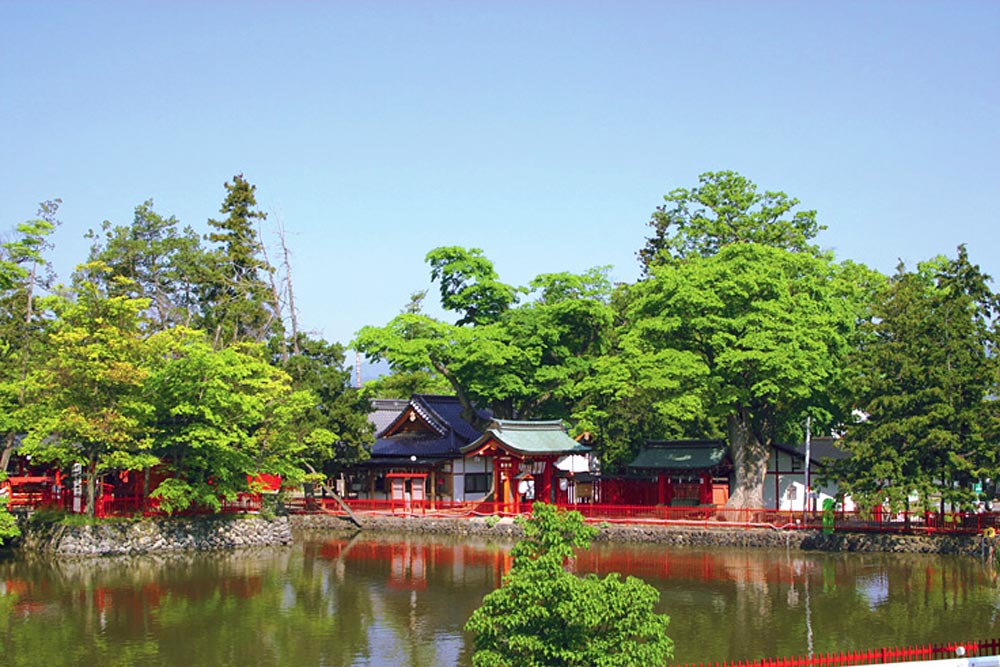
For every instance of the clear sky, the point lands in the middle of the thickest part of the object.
(542, 132)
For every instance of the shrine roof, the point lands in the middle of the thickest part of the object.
(528, 438)
(681, 455)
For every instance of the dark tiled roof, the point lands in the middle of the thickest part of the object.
(449, 410)
(449, 431)
(385, 411)
(397, 446)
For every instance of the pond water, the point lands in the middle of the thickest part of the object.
(376, 600)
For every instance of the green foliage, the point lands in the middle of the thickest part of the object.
(160, 262)
(334, 428)
(524, 360)
(926, 374)
(8, 525)
(755, 335)
(469, 284)
(543, 615)
(23, 326)
(726, 208)
(86, 401)
(237, 302)
(220, 415)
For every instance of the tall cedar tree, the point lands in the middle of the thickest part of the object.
(926, 374)
(237, 302)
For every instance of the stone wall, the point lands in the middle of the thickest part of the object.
(149, 536)
(807, 540)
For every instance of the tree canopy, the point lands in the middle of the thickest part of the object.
(544, 615)
(726, 208)
(926, 375)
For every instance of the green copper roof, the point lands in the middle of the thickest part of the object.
(681, 455)
(530, 438)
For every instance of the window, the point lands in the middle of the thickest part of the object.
(477, 482)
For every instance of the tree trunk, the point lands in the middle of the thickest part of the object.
(8, 450)
(749, 463)
(91, 490)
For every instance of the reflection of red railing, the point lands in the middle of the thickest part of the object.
(990, 647)
(960, 523)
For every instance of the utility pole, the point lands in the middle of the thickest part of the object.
(808, 498)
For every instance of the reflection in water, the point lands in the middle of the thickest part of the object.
(364, 600)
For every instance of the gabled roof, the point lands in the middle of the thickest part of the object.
(385, 411)
(427, 425)
(681, 455)
(527, 438)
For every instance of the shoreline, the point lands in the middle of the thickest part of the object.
(667, 535)
(214, 533)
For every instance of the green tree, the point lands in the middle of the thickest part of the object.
(726, 208)
(335, 426)
(86, 402)
(926, 377)
(736, 295)
(543, 615)
(238, 304)
(8, 526)
(219, 416)
(519, 361)
(160, 261)
(22, 325)
(763, 329)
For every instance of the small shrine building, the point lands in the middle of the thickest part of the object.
(524, 456)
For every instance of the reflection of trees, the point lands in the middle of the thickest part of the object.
(404, 601)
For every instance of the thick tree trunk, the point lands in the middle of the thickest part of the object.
(749, 463)
(91, 490)
(8, 450)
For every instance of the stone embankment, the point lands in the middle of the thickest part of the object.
(806, 540)
(151, 536)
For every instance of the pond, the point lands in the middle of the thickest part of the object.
(333, 600)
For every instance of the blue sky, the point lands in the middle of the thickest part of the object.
(543, 132)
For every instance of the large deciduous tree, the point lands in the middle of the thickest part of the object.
(519, 361)
(220, 415)
(738, 298)
(86, 401)
(926, 378)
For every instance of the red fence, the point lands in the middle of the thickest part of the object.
(704, 516)
(988, 647)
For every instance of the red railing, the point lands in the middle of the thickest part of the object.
(703, 515)
(989, 647)
(117, 506)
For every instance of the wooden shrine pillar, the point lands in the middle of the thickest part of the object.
(546, 493)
